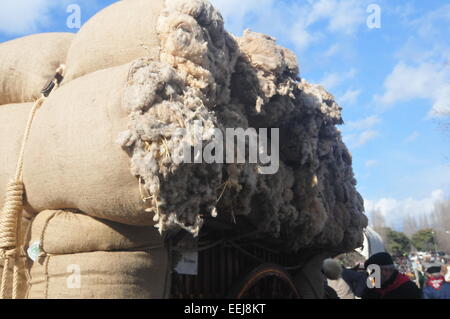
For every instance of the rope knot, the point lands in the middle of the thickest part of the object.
(8, 217)
(7, 253)
(15, 189)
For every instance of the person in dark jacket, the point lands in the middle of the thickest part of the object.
(394, 285)
(436, 287)
(356, 280)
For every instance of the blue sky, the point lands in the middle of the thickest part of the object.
(393, 82)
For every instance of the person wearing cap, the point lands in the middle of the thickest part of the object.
(394, 285)
(436, 287)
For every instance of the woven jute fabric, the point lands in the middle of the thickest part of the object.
(28, 63)
(120, 33)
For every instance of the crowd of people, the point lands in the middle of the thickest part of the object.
(380, 277)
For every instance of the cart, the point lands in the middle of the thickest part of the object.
(232, 260)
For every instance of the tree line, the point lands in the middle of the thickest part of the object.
(426, 233)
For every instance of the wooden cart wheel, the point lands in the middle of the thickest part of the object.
(268, 281)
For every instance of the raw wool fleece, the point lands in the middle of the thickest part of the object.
(310, 202)
(180, 92)
(28, 63)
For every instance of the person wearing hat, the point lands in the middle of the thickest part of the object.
(436, 287)
(394, 285)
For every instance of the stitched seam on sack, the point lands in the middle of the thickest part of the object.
(46, 224)
(147, 249)
(47, 277)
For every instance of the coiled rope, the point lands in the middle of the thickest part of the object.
(11, 213)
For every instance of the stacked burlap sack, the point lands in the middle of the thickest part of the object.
(26, 66)
(83, 257)
(104, 142)
(114, 260)
(71, 255)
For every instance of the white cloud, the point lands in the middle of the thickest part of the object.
(412, 137)
(294, 21)
(395, 210)
(372, 163)
(24, 16)
(20, 17)
(301, 37)
(360, 139)
(333, 80)
(332, 50)
(365, 137)
(428, 38)
(347, 16)
(349, 97)
(426, 24)
(365, 123)
(427, 81)
(285, 21)
(235, 12)
(343, 16)
(359, 133)
(423, 70)
(403, 11)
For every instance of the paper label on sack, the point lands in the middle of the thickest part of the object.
(187, 256)
(188, 264)
(34, 250)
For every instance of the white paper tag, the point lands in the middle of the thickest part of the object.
(188, 264)
(34, 250)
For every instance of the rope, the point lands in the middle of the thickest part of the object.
(19, 170)
(4, 277)
(8, 235)
(12, 210)
(16, 279)
(16, 269)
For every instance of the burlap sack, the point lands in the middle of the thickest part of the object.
(13, 118)
(27, 64)
(100, 275)
(118, 34)
(72, 160)
(82, 257)
(64, 232)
